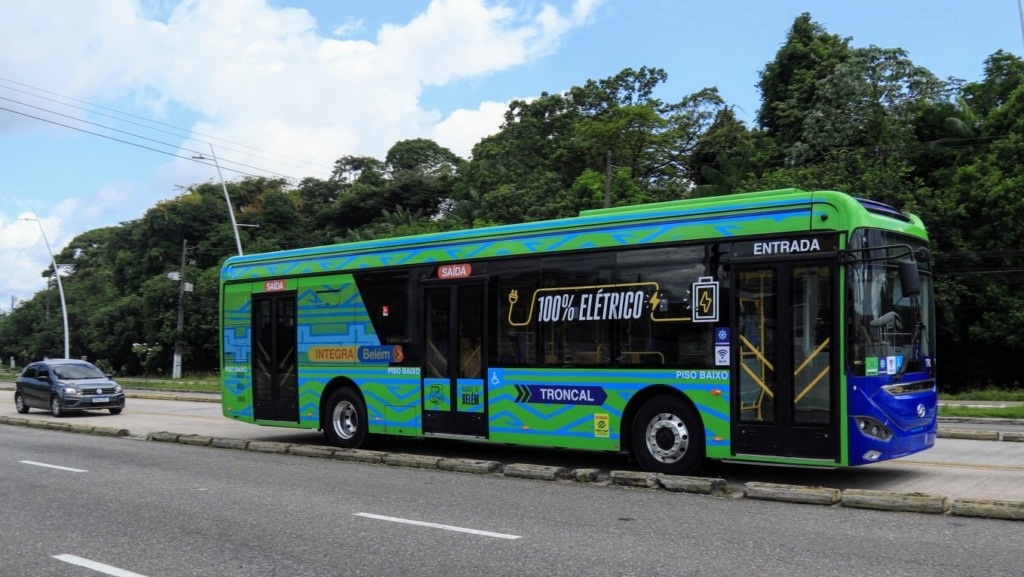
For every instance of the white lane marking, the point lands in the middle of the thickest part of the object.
(54, 467)
(96, 566)
(437, 526)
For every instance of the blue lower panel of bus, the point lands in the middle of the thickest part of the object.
(884, 426)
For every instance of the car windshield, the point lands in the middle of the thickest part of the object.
(77, 372)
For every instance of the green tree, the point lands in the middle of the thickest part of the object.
(543, 162)
(989, 325)
(723, 156)
(789, 83)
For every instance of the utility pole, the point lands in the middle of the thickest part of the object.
(176, 369)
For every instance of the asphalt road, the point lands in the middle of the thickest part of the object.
(80, 505)
(955, 468)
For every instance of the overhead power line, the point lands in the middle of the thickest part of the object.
(121, 140)
(151, 125)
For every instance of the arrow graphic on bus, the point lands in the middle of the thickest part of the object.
(522, 394)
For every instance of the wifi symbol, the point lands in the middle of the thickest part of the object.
(723, 353)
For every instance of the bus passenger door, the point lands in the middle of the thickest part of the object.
(275, 381)
(785, 398)
(454, 395)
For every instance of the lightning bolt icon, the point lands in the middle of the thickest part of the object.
(705, 301)
(654, 301)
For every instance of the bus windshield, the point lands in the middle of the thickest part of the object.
(891, 333)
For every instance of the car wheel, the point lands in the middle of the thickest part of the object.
(116, 411)
(668, 436)
(55, 409)
(345, 419)
(19, 402)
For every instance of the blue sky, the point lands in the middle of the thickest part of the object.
(286, 87)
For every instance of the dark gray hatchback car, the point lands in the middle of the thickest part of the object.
(62, 385)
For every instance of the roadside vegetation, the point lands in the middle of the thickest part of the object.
(989, 395)
(190, 384)
(982, 412)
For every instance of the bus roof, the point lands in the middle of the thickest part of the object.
(713, 217)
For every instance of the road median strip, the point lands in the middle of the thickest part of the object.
(853, 498)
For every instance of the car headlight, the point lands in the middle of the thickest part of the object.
(70, 391)
(117, 389)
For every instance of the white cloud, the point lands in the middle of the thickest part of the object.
(259, 75)
(460, 130)
(24, 254)
(350, 26)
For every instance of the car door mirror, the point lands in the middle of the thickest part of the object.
(43, 377)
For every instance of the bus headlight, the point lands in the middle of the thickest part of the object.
(874, 428)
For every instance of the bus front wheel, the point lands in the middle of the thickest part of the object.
(345, 419)
(667, 436)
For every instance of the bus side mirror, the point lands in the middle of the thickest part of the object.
(910, 279)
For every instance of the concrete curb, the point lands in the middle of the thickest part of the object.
(1010, 510)
(976, 435)
(66, 427)
(886, 501)
(634, 479)
(536, 472)
(792, 493)
(700, 485)
(1014, 437)
(853, 498)
(968, 434)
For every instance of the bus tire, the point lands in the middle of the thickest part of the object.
(667, 436)
(345, 422)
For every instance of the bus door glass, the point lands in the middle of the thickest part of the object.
(784, 376)
(454, 399)
(275, 381)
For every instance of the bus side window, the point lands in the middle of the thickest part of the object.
(514, 329)
(666, 335)
(386, 298)
(570, 339)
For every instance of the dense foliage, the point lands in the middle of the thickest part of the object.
(833, 116)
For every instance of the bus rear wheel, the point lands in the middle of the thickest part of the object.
(345, 419)
(667, 436)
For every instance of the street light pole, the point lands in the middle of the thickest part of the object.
(60, 286)
(227, 199)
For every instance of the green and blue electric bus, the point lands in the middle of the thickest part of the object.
(784, 327)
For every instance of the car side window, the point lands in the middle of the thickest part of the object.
(30, 373)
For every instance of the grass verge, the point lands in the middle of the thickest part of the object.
(982, 412)
(186, 384)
